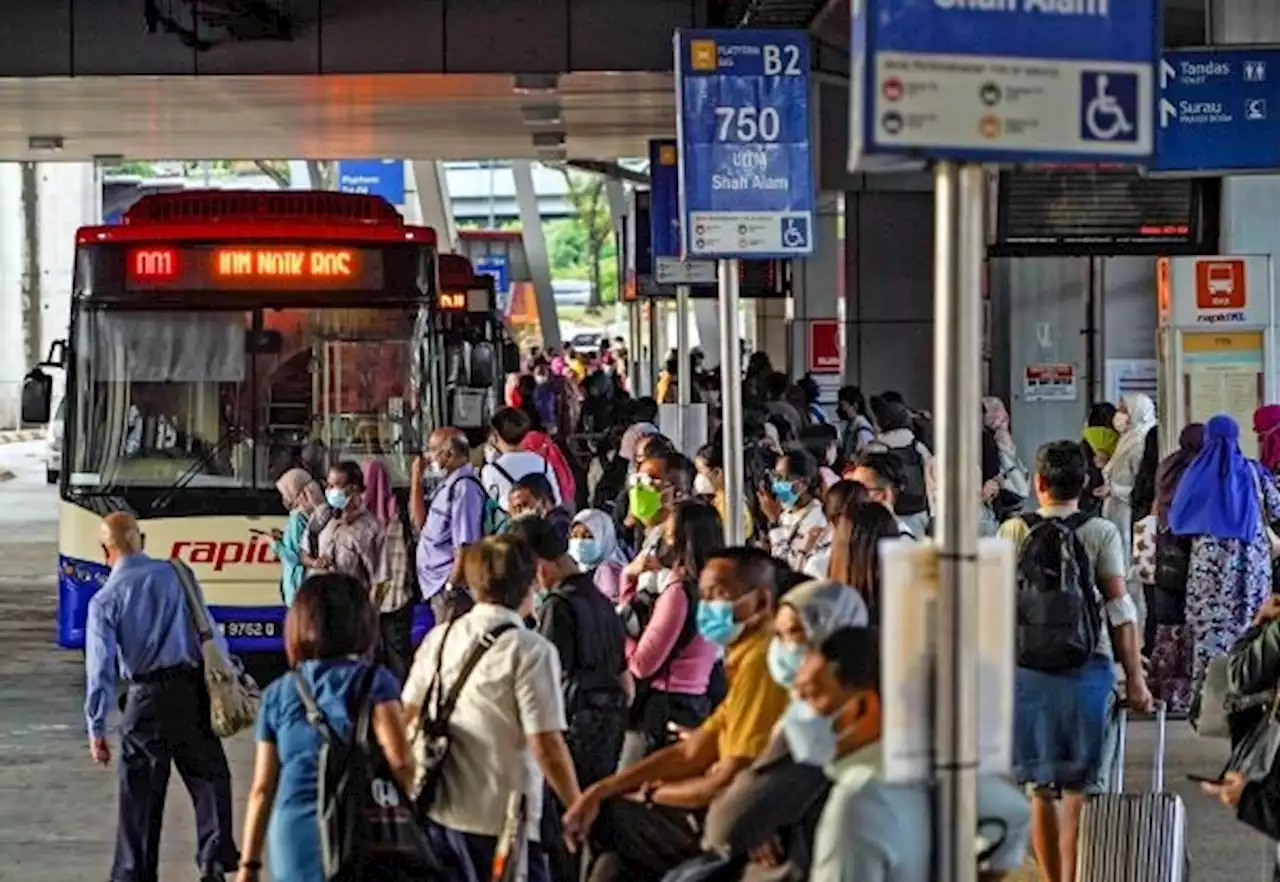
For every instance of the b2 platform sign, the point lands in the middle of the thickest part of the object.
(1012, 81)
(745, 143)
(664, 221)
(373, 177)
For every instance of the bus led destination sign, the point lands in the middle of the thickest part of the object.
(266, 267)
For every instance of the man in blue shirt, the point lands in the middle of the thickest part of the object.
(451, 519)
(139, 623)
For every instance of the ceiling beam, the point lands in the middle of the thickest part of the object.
(611, 170)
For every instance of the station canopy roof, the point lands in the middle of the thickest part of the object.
(414, 116)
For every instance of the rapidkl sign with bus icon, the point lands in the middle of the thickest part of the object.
(1229, 290)
(1220, 284)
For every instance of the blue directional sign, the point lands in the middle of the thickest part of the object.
(494, 265)
(1003, 80)
(373, 177)
(1218, 111)
(745, 151)
(664, 221)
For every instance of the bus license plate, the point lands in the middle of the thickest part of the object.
(250, 629)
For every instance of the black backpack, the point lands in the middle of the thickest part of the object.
(913, 498)
(368, 829)
(1059, 617)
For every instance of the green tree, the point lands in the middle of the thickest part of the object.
(590, 201)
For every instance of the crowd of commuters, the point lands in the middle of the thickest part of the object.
(662, 706)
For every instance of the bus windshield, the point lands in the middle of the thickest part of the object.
(196, 399)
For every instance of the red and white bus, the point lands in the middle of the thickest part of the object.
(214, 334)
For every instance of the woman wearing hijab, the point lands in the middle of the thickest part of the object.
(1169, 641)
(1013, 483)
(395, 587)
(1134, 420)
(301, 495)
(775, 803)
(1098, 440)
(1224, 502)
(593, 543)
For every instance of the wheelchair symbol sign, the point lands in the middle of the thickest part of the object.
(795, 233)
(1108, 106)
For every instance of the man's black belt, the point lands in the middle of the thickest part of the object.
(164, 675)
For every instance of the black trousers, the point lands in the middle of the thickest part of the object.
(656, 711)
(166, 721)
(633, 842)
(395, 650)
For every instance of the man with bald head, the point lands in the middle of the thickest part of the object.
(140, 624)
(451, 518)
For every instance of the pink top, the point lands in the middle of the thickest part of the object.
(688, 673)
(608, 578)
(828, 476)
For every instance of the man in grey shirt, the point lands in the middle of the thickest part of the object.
(871, 830)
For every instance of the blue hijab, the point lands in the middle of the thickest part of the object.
(1218, 494)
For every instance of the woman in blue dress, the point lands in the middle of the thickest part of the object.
(330, 632)
(1224, 501)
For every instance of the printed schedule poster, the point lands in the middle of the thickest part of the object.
(1223, 374)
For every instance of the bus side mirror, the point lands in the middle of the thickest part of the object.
(37, 398)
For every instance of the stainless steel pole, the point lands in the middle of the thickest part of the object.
(684, 390)
(959, 251)
(633, 347)
(731, 402)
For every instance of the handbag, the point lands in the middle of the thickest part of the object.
(234, 696)
(1145, 546)
(434, 737)
(1255, 755)
(1209, 714)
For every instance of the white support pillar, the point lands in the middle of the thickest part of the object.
(535, 252)
(299, 175)
(429, 188)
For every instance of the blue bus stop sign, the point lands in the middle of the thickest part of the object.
(1004, 80)
(664, 221)
(373, 177)
(745, 143)
(494, 265)
(1219, 111)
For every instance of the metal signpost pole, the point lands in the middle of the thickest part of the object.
(959, 250)
(731, 402)
(909, 102)
(684, 378)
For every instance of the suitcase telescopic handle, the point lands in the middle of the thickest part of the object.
(1158, 762)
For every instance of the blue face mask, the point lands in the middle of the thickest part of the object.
(811, 738)
(585, 551)
(715, 622)
(336, 497)
(784, 661)
(784, 492)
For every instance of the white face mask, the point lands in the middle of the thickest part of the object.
(702, 485)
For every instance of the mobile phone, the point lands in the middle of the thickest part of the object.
(1204, 779)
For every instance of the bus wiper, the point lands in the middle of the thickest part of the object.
(229, 437)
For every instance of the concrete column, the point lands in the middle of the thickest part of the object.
(888, 254)
(429, 197)
(535, 251)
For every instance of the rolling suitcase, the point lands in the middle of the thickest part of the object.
(1134, 837)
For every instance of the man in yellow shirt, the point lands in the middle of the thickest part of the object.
(647, 819)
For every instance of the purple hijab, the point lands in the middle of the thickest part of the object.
(1218, 495)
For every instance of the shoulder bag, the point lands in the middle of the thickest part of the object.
(434, 737)
(233, 694)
